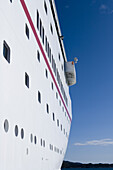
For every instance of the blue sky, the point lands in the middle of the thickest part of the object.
(87, 26)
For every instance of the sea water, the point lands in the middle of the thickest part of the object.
(87, 168)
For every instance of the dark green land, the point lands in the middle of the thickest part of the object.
(67, 164)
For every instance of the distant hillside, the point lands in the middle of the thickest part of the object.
(67, 164)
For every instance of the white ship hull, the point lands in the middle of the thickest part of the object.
(34, 117)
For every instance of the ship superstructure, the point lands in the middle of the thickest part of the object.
(34, 95)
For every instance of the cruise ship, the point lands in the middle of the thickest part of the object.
(35, 105)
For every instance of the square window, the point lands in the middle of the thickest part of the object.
(26, 80)
(6, 51)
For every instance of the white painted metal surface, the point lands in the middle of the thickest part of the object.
(19, 104)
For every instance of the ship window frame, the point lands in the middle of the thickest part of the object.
(6, 51)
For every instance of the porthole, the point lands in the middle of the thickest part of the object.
(16, 130)
(6, 125)
(31, 138)
(35, 140)
(22, 133)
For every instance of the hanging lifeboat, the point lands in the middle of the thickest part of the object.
(70, 73)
